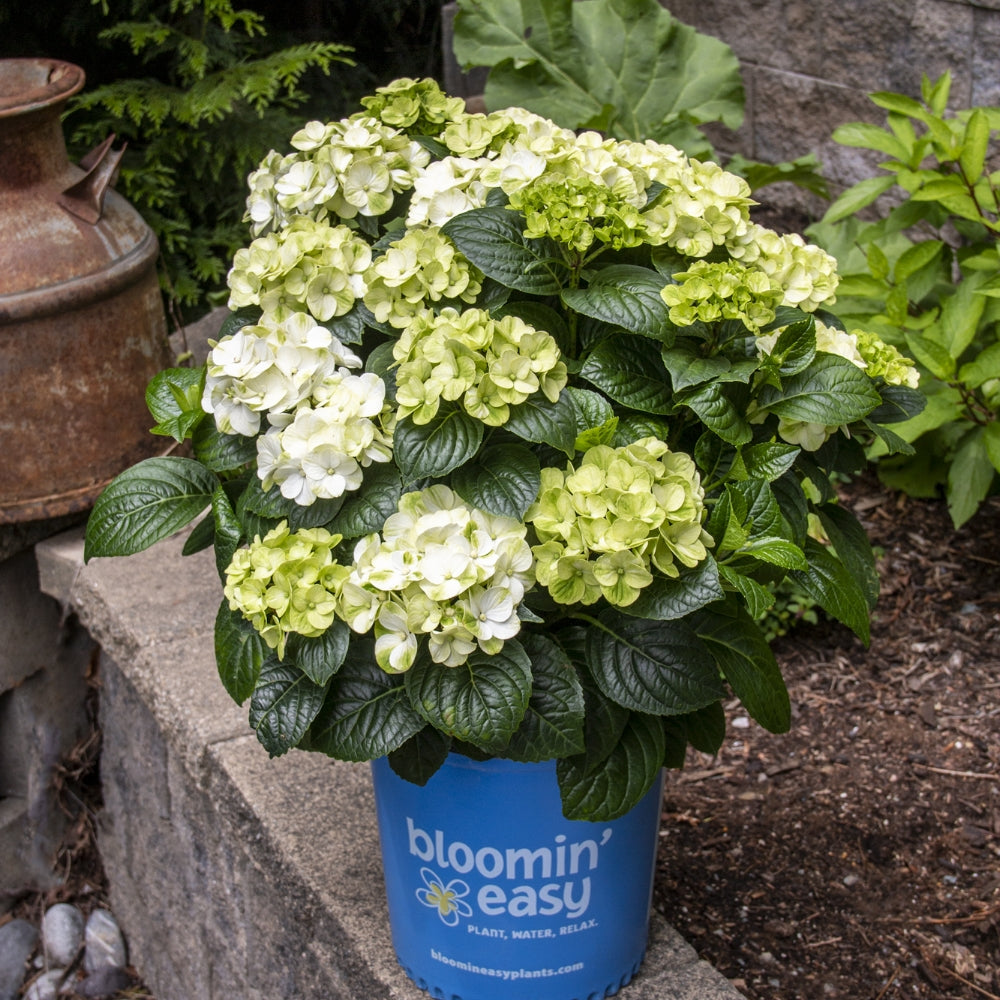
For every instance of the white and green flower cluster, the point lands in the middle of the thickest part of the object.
(710, 291)
(485, 364)
(353, 167)
(883, 360)
(605, 523)
(286, 582)
(306, 266)
(418, 270)
(319, 451)
(805, 274)
(439, 569)
(766, 270)
(269, 368)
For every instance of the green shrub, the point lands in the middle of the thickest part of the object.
(214, 100)
(924, 274)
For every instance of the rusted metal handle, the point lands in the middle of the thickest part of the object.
(85, 198)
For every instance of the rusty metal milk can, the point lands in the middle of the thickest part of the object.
(82, 328)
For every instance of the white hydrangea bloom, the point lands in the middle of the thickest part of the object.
(269, 368)
(443, 569)
(321, 452)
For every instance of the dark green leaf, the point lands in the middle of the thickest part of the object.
(795, 348)
(222, 452)
(366, 510)
(419, 758)
(604, 720)
(431, 450)
(147, 503)
(829, 583)
(553, 722)
(320, 657)
(228, 530)
(705, 729)
(492, 238)
(541, 422)
(202, 535)
(718, 412)
(366, 713)
(747, 663)
(270, 504)
(769, 460)
(850, 540)
(631, 372)
(635, 426)
(284, 703)
(756, 597)
(239, 653)
(503, 480)
(687, 367)
(661, 668)
(481, 702)
(235, 321)
(382, 363)
(628, 297)
(667, 599)
(831, 391)
(628, 772)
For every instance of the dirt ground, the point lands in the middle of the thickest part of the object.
(858, 856)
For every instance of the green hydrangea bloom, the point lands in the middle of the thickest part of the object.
(577, 212)
(603, 525)
(418, 107)
(721, 290)
(806, 274)
(286, 582)
(416, 272)
(306, 267)
(488, 365)
(348, 168)
(885, 361)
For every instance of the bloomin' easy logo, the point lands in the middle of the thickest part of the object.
(552, 879)
(446, 898)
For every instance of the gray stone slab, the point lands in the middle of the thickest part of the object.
(234, 875)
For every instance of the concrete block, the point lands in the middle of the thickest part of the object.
(855, 43)
(29, 621)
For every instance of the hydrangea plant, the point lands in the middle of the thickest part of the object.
(507, 435)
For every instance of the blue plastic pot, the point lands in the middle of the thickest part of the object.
(494, 895)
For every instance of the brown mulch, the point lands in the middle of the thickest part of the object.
(858, 856)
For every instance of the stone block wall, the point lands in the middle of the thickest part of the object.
(808, 66)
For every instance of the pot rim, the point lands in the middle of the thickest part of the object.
(32, 84)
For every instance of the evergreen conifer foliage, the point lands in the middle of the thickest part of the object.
(214, 100)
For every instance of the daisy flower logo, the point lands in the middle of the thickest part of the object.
(445, 898)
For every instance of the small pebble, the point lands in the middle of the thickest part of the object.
(741, 722)
(17, 941)
(851, 880)
(104, 943)
(62, 934)
(103, 984)
(46, 987)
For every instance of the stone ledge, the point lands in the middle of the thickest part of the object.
(234, 875)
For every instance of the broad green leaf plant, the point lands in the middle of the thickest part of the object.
(923, 273)
(625, 67)
(506, 436)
